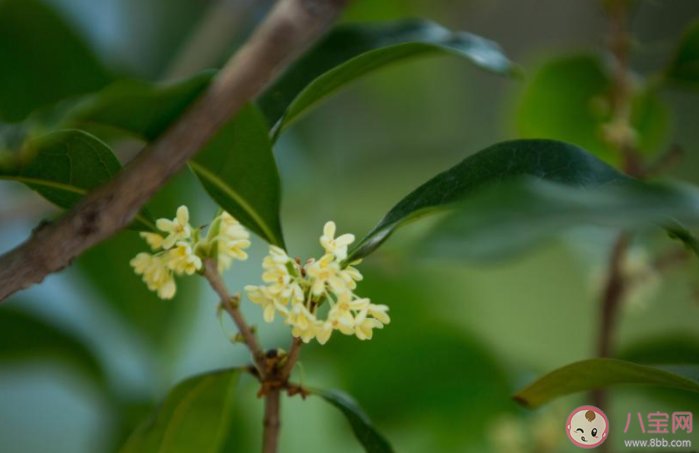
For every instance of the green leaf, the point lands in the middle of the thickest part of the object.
(568, 99)
(684, 68)
(364, 430)
(513, 217)
(193, 418)
(543, 159)
(595, 374)
(679, 232)
(139, 108)
(668, 349)
(237, 168)
(65, 165)
(352, 51)
(27, 337)
(43, 60)
(369, 373)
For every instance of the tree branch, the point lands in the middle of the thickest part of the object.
(292, 358)
(624, 140)
(612, 296)
(258, 354)
(290, 28)
(622, 89)
(274, 379)
(271, 423)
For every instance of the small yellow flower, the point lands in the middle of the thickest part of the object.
(342, 320)
(326, 271)
(178, 228)
(364, 326)
(336, 246)
(345, 303)
(232, 240)
(282, 284)
(351, 275)
(155, 274)
(167, 289)
(299, 293)
(303, 323)
(260, 295)
(141, 262)
(153, 239)
(278, 255)
(323, 330)
(379, 312)
(182, 259)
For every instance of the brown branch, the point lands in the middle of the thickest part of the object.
(624, 140)
(274, 378)
(612, 295)
(271, 423)
(291, 359)
(622, 88)
(230, 304)
(665, 162)
(272, 386)
(290, 28)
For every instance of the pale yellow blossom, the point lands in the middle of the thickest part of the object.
(141, 262)
(260, 295)
(336, 246)
(155, 274)
(182, 259)
(178, 228)
(379, 312)
(364, 325)
(351, 275)
(301, 295)
(153, 239)
(341, 320)
(323, 330)
(232, 239)
(303, 323)
(282, 283)
(326, 272)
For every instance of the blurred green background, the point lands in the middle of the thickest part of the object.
(464, 336)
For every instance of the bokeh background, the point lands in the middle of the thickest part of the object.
(464, 336)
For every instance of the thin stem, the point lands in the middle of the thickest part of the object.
(665, 162)
(610, 303)
(280, 380)
(216, 282)
(271, 423)
(273, 378)
(613, 293)
(292, 358)
(622, 137)
(622, 88)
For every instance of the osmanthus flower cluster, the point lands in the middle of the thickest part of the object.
(180, 248)
(317, 298)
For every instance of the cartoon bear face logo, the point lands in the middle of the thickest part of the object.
(587, 427)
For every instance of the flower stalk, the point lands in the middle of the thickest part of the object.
(293, 291)
(233, 310)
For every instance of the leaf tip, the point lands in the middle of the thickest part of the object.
(522, 401)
